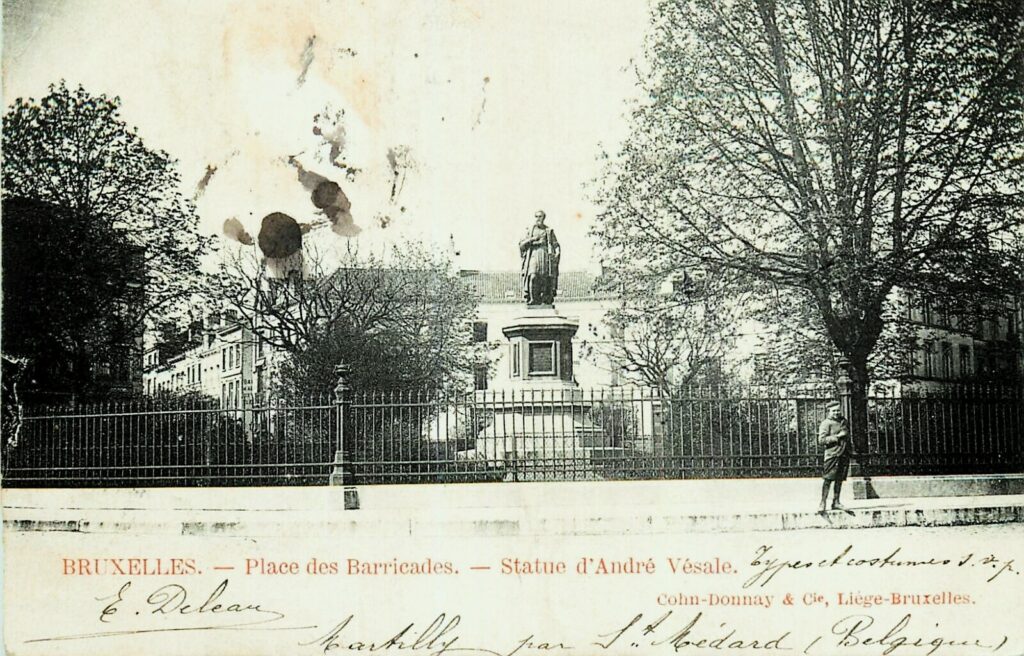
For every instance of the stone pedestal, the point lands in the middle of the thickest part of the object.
(540, 350)
(539, 419)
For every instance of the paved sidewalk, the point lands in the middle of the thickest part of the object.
(569, 508)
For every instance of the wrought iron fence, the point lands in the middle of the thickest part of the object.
(570, 434)
(702, 432)
(958, 429)
(190, 442)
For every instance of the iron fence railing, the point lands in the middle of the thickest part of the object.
(191, 442)
(959, 429)
(513, 435)
(702, 432)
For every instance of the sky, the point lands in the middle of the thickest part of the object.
(457, 118)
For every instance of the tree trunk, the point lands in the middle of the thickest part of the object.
(858, 409)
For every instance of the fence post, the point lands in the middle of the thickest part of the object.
(343, 473)
(844, 385)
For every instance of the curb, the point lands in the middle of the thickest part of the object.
(358, 524)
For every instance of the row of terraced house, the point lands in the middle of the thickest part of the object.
(220, 356)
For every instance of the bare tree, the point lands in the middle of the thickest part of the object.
(403, 323)
(670, 338)
(830, 149)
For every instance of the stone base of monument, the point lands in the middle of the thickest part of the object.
(538, 421)
(540, 349)
(538, 434)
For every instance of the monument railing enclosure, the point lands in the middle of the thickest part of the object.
(367, 437)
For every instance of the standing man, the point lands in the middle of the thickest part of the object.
(540, 254)
(834, 435)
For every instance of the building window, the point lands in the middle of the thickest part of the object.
(965, 361)
(980, 359)
(479, 331)
(224, 358)
(927, 360)
(480, 377)
(542, 359)
(947, 360)
(516, 355)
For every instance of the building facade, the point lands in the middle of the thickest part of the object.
(930, 346)
(948, 347)
(221, 358)
(217, 357)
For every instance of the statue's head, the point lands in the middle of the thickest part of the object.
(539, 216)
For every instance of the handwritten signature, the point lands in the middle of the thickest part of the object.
(171, 607)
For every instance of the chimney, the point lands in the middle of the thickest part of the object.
(195, 331)
(453, 252)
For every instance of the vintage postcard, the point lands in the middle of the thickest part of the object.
(495, 328)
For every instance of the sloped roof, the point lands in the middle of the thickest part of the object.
(505, 286)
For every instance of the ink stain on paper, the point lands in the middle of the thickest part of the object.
(400, 162)
(280, 236)
(330, 127)
(328, 197)
(306, 60)
(483, 102)
(233, 229)
(205, 180)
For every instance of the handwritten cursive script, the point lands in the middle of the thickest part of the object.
(172, 607)
(858, 630)
(767, 565)
(436, 637)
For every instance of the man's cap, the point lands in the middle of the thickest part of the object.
(834, 404)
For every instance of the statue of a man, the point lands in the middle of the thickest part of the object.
(540, 253)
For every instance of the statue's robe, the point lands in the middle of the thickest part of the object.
(540, 264)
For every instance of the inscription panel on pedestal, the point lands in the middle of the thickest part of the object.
(541, 361)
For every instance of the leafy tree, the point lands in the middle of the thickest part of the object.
(830, 149)
(670, 338)
(798, 349)
(400, 324)
(102, 238)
